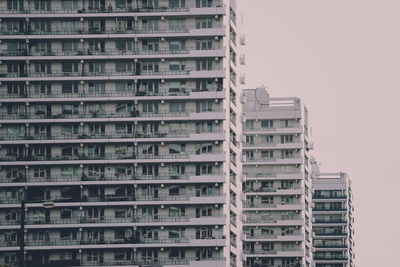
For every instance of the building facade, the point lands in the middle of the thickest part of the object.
(333, 218)
(276, 181)
(120, 133)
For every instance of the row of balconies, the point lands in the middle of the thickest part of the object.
(272, 238)
(109, 199)
(259, 176)
(260, 206)
(98, 10)
(214, 73)
(273, 253)
(105, 73)
(158, 262)
(297, 145)
(111, 32)
(259, 190)
(126, 242)
(216, 114)
(84, 221)
(110, 95)
(53, 157)
(108, 53)
(102, 179)
(115, 136)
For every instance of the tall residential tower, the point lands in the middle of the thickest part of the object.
(333, 218)
(276, 181)
(119, 134)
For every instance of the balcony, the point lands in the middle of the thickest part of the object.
(263, 130)
(188, 177)
(136, 262)
(104, 11)
(110, 95)
(111, 33)
(189, 51)
(260, 206)
(253, 176)
(296, 189)
(111, 74)
(293, 145)
(133, 115)
(273, 253)
(110, 137)
(273, 238)
(86, 222)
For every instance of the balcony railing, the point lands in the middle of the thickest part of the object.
(133, 240)
(103, 178)
(270, 189)
(104, 115)
(105, 73)
(157, 262)
(107, 136)
(106, 31)
(105, 220)
(82, 9)
(105, 156)
(107, 52)
(110, 93)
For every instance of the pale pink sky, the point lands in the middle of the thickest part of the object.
(342, 57)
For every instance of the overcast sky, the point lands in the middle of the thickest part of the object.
(342, 57)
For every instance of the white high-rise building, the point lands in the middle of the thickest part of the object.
(276, 181)
(333, 218)
(120, 127)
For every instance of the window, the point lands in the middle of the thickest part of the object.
(204, 64)
(267, 154)
(267, 139)
(286, 139)
(177, 107)
(69, 4)
(177, 44)
(150, 24)
(66, 214)
(123, 45)
(287, 154)
(176, 24)
(203, 106)
(69, 67)
(97, 87)
(267, 123)
(69, 171)
(204, 127)
(176, 3)
(122, 66)
(204, 44)
(150, 45)
(203, 3)
(177, 87)
(204, 85)
(97, 67)
(176, 65)
(287, 123)
(176, 253)
(203, 23)
(69, 88)
(250, 124)
(122, 108)
(69, 46)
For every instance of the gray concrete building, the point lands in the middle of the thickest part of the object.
(276, 181)
(120, 133)
(333, 219)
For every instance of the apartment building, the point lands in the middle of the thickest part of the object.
(333, 218)
(120, 133)
(276, 181)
